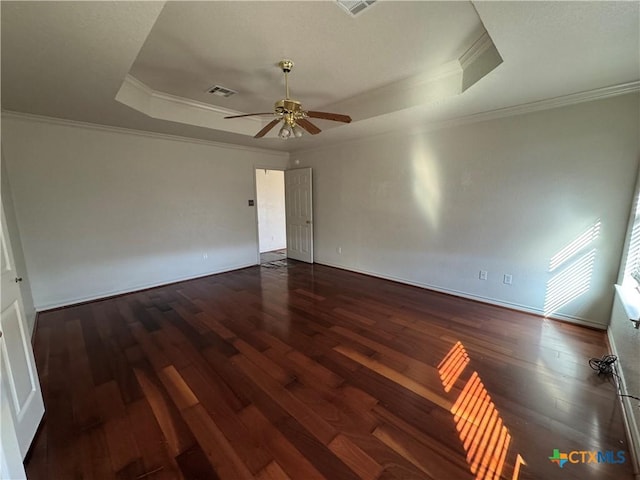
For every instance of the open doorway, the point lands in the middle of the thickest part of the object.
(272, 237)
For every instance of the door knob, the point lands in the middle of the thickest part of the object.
(18, 279)
(308, 221)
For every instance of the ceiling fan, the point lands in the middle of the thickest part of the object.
(290, 113)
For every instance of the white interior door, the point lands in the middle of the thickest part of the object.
(299, 213)
(11, 465)
(21, 396)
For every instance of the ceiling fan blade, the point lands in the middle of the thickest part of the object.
(336, 117)
(249, 115)
(308, 126)
(269, 126)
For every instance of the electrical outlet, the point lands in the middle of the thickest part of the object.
(508, 279)
(339, 250)
(483, 274)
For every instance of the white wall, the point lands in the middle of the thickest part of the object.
(103, 211)
(506, 195)
(271, 213)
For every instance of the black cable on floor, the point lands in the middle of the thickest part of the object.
(607, 366)
(604, 365)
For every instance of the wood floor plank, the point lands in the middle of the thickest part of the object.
(194, 465)
(271, 368)
(327, 463)
(273, 471)
(287, 456)
(157, 460)
(441, 448)
(94, 455)
(216, 447)
(428, 461)
(182, 396)
(219, 328)
(307, 367)
(123, 449)
(213, 400)
(152, 352)
(122, 373)
(310, 372)
(178, 350)
(395, 376)
(238, 385)
(393, 465)
(191, 328)
(175, 432)
(414, 369)
(86, 413)
(361, 463)
(309, 419)
(99, 358)
(60, 461)
(334, 409)
(272, 341)
(131, 471)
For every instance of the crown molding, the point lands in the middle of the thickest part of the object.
(8, 114)
(478, 47)
(546, 104)
(187, 102)
(165, 106)
(138, 84)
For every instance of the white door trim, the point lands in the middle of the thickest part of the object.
(255, 207)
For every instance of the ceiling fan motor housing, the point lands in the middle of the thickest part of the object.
(292, 115)
(288, 106)
(286, 65)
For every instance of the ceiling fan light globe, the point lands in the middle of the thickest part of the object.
(297, 131)
(285, 132)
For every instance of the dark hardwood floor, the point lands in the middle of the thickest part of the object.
(310, 372)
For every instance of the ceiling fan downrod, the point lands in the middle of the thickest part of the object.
(286, 66)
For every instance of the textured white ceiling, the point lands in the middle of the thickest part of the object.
(239, 44)
(69, 59)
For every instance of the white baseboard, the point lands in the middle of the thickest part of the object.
(112, 293)
(631, 426)
(492, 301)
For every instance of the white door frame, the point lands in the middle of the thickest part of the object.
(255, 209)
(255, 189)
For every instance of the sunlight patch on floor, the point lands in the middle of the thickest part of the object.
(484, 436)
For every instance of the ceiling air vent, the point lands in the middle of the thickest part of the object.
(354, 7)
(221, 91)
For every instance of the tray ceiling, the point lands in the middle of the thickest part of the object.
(396, 65)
